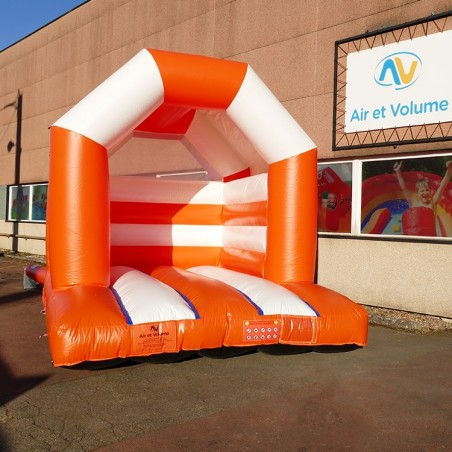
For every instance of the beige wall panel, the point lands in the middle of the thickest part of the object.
(74, 48)
(5, 227)
(31, 246)
(408, 11)
(114, 29)
(8, 87)
(69, 42)
(7, 167)
(25, 245)
(8, 128)
(220, 3)
(142, 156)
(393, 150)
(55, 92)
(93, 50)
(65, 89)
(356, 22)
(6, 98)
(7, 164)
(303, 111)
(287, 68)
(21, 72)
(32, 229)
(324, 76)
(322, 134)
(191, 36)
(131, 22)
(37, 247)
(86, 13)
(26, 47)
(35, 49)
(81, 45)
(104, 66)
(34, 166)
(35, 131)
(153, 16)
(244, 25)
(425, 8)
(376, 14)
(6, 242)
(314, 115)
(406, 276)
(109, 32)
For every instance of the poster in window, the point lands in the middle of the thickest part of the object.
(39, 203)
(410, 197)
(334, 183)
(19, 203)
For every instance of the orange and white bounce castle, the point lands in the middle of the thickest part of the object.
(141, 268)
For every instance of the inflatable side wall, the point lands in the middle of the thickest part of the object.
(139, 267)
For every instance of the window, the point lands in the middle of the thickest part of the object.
(335, 197)
(27, 202)
(397, 197)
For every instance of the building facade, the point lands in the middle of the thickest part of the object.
(297, 48)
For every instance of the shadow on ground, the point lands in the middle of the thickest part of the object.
(13, 386)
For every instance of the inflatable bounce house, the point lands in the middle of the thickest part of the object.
(142, 268)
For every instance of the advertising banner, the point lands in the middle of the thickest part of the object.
(392, 86)
(400, 84)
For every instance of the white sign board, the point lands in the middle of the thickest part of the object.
(400, 84)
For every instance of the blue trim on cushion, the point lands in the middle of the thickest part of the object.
(190, 304)
(259, 310)
(121, 305)
(317, 314)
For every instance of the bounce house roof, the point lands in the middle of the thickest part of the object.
(219, 110)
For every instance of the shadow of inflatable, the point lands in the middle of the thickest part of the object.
(12, 386)
(214, 353)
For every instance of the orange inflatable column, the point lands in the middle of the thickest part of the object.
(292, 219)
(78, 230)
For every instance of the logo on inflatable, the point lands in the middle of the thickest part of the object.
(398, 70)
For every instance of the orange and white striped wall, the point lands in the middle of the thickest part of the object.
(152, 82)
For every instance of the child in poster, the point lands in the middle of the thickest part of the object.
(421, 217)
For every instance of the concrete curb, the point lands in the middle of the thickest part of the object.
(32, 258)
(408, 321)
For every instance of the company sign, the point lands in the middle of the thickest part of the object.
(401, 84)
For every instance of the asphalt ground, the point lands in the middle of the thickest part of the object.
(395, 394)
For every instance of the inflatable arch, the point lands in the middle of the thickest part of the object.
(139, 267)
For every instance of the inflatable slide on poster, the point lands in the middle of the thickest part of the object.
(148, 269)
(386, 211)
